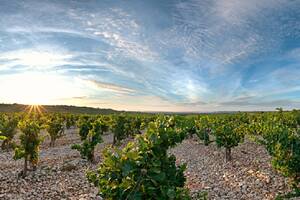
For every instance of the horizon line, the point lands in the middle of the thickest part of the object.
(157, 111)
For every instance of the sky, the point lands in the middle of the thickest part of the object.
(152, 55)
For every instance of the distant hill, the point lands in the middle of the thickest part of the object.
(57, 108)
(90, 110)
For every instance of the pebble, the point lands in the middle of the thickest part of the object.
(62, 173)
(50, 180)
(247, 176)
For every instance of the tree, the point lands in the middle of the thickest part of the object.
(94, 137)
(144, 169)
(281, 138)
(119, 128)
(85, 125)
(228, 134)
(136, 125)
(8, 125)
(203, 129)
(70, 121)
(29, 143)
(55, 128)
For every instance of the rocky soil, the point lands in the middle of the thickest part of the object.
(61, 172)
(248, 176)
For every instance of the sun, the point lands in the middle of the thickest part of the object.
(35, 88)
(38, 88)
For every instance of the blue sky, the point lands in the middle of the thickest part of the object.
(171, 55)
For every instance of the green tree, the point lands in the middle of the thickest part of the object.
(8, 125)
(203, 129)
(55, 128)
(228, 134)
(70, 121)
(94, 137)
(119, 128)
(30, 141)
(144, 169)
(85, 125)
(282, 140)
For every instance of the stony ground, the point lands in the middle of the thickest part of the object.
(61, 172)
(248, 176)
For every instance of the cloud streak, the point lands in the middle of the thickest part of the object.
(111, 87)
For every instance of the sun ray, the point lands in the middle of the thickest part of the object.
(39, 109)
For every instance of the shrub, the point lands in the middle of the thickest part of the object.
(70, 121)
(55, 128)
(203, 130)
(88, 145)
(8, 125)
(143, 169)
(283, 144)
(30, 142)
(85, 125)
(119, 128)
(228, 135)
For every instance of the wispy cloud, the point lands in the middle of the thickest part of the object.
(268, 105)
(80, 98)
(38, 58)
(111, 87)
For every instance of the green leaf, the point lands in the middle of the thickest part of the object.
(2, 137)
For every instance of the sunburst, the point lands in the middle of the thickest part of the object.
(35, 109)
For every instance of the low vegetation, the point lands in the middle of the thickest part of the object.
(144, 169)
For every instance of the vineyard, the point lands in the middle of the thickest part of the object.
(145, 156)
